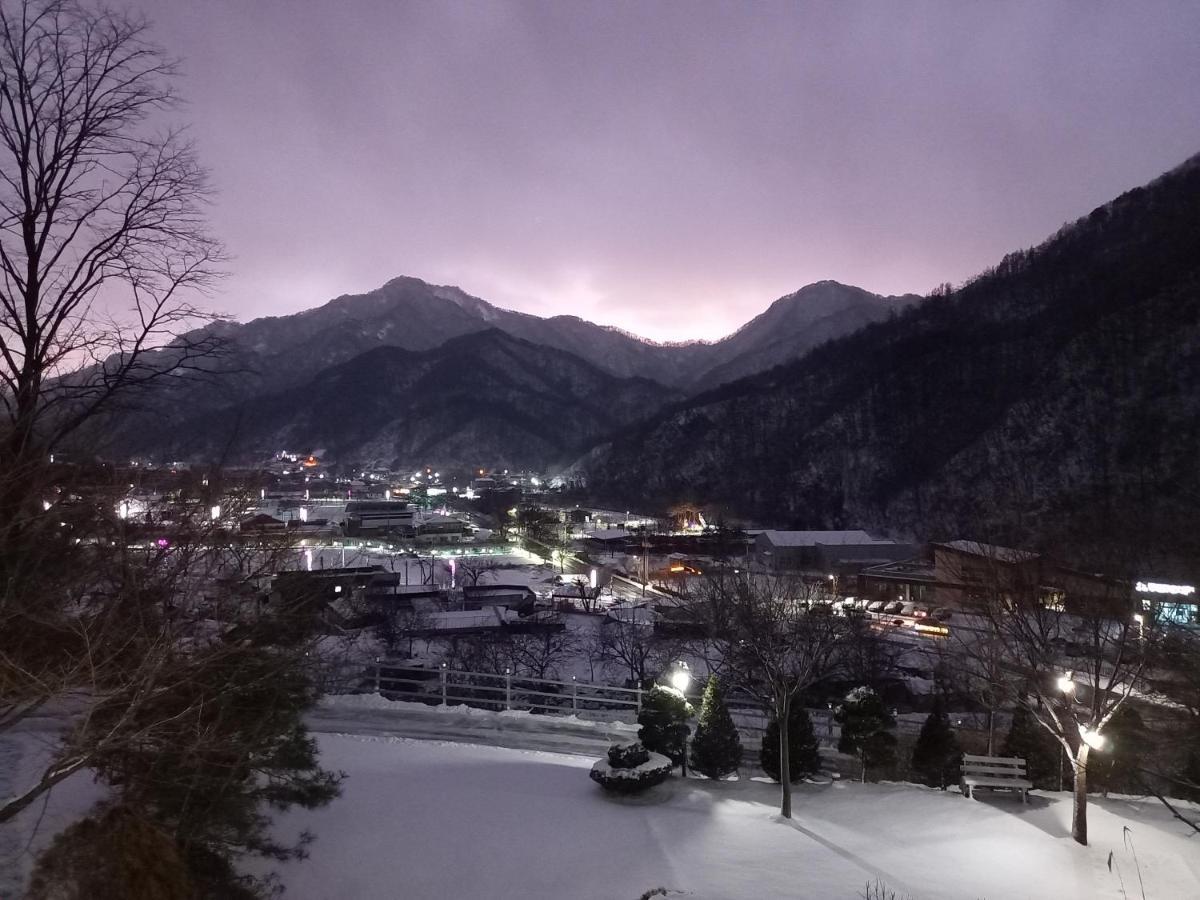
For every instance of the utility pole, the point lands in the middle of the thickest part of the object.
(645, 560)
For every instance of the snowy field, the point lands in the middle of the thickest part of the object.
(423, 819)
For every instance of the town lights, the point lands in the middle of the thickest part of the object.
(681, 678)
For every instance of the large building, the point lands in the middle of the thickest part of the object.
(378, 517)
(834, 552)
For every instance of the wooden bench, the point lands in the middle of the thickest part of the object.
(995, 772)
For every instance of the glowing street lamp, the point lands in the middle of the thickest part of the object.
(1065, 684)
(215, 512)
(1093, 739)
(681, 678)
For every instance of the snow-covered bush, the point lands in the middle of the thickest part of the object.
(629, 755)
(630, 768)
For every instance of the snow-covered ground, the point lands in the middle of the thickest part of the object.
(423, 819)
(507, 810)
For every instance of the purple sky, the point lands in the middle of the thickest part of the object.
(670, 168)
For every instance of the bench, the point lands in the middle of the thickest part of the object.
(994, 772)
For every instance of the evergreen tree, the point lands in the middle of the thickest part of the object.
(804, 757)
(663, 718)
(716, 748)
(1031, 742)
(865, 725)
(1117, 767)
(936, 757)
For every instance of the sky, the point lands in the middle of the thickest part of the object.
(668, 168)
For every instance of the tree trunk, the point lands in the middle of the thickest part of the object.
(785, 763)
(991, 748)
(1079, 812)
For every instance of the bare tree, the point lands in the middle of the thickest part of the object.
(777, 641)
(473, 569)
(128, 636)
(102, 229)
(627, 639)
(1063, 644)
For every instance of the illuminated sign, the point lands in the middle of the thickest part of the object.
(1153, 587)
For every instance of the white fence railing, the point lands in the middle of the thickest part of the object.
(589, 700)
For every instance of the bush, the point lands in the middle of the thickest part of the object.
(936, 758)
(627, 756)
(115, 855)
(1031, 742)
(716, 748)
(865, 729)
(804, 755)
(630, 768)
(663, 718)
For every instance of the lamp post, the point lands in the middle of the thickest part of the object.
(1067, 685)
(681, 680)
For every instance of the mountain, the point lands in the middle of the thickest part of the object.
(792, 325)
(1054, 398)
(274, 353)
(482, 398)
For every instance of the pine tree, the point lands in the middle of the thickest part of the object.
(936, 757)
(865, 725)
(716, 748)
(663, 718)
(1117, 767)
(804, 756)
(1031, 742)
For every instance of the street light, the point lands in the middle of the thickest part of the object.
(1067, 686)
(681, 678)
(1093, 739)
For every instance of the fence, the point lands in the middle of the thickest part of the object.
(484, 690)
(588, 700)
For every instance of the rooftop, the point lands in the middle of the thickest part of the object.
(821, 538)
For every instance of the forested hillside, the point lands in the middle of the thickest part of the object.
(1054, 399)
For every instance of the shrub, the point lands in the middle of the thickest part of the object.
(630, 768)
(1031, 742)
(663, 718)
(716, 748)
(865, 729)
(804, 754)
(936, 757)
(627, 756)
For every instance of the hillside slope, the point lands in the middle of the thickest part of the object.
(485, 398)
(1055, 399)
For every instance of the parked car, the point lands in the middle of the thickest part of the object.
(894, 608)
(876, 606)
(943, 613)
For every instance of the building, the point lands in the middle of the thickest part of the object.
(1175, 603)
(836, 552)
(962, 573)
(365, 517)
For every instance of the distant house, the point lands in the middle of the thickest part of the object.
(839, 552)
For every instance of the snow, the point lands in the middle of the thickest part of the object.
(656, 763)
(433, 820)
